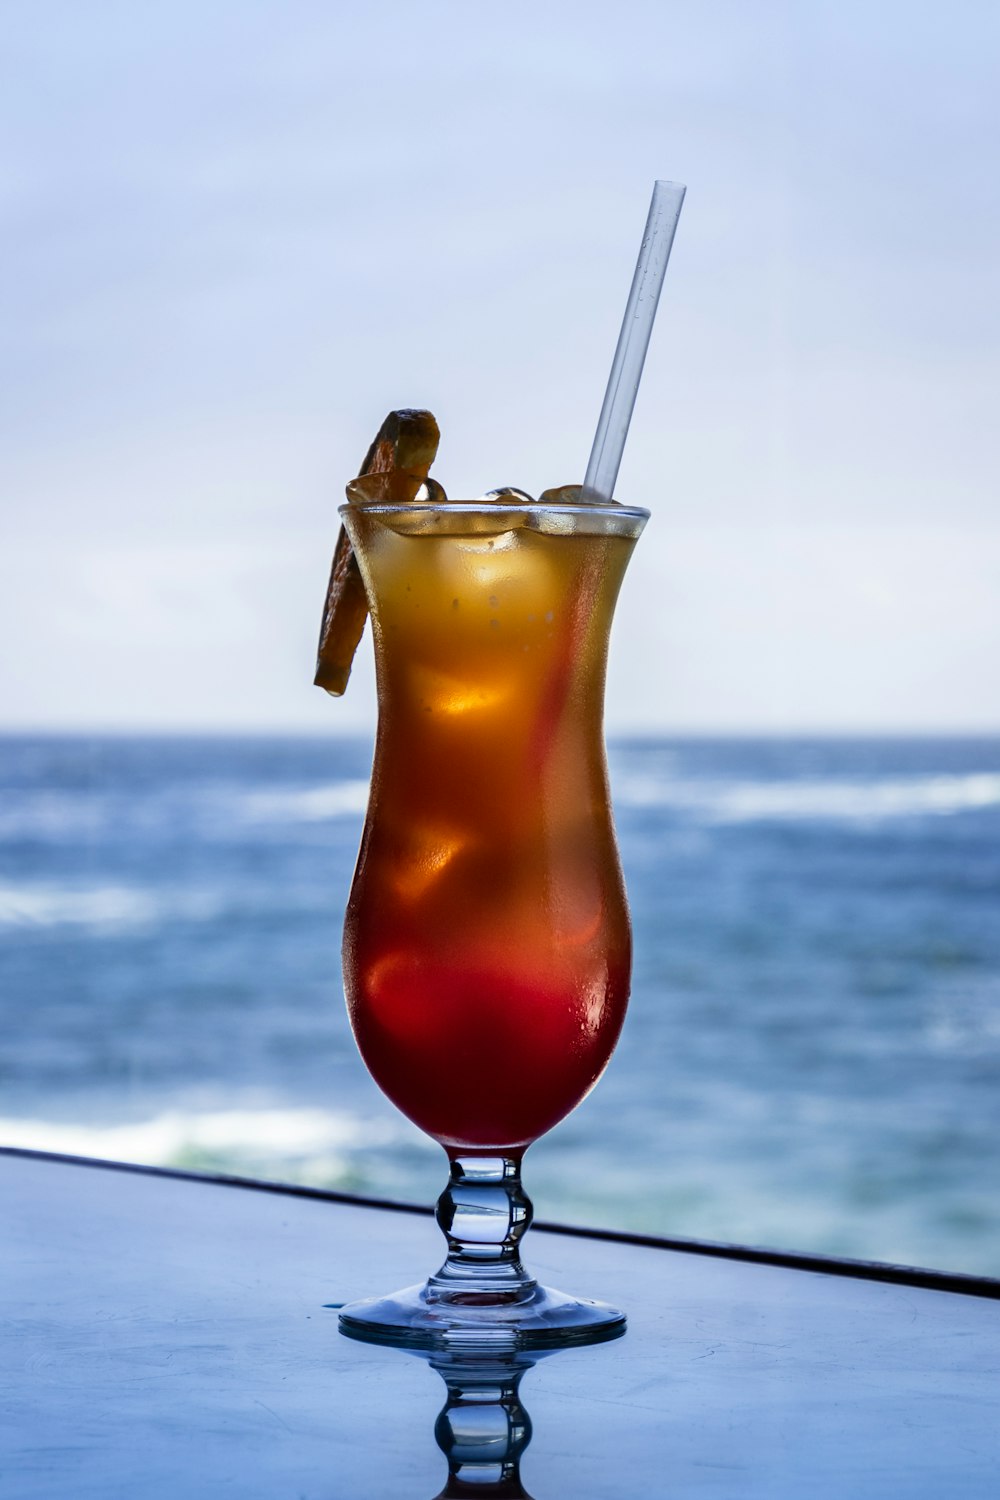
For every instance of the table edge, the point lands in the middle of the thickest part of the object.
(964, 1283)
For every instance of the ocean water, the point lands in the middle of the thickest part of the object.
(812, 1054)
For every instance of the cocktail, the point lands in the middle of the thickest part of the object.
(487, 946)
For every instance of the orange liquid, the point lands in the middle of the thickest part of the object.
(487, 946)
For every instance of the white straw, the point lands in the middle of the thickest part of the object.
(633, 341)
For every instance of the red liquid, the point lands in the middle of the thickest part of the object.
(487, 945)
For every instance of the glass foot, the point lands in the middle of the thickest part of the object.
(482, 1296)
(422, 1317)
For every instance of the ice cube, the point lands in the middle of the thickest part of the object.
(508, 495)
(514, 570)
(384, 489)
(573, 494)
(442, 693)
(431, 493)
(563, 494)
(425, 854)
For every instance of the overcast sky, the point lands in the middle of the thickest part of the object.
(235, 234)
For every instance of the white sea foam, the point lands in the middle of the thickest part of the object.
(59, 816)
(965, 1017)
(258, 1135)
(46, 905)
(337, 799)
(823, 799)
(49, 814)
(102, 908)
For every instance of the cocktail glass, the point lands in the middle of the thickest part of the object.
(487, 944)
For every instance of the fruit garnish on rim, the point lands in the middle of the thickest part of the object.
(395, 467)
(573, 494)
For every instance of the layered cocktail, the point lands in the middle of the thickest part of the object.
(487, 946)
(487, 942)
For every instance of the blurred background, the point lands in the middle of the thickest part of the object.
(234, 237)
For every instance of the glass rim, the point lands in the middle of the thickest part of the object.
(494, 508)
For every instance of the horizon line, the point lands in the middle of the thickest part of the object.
(634, 732)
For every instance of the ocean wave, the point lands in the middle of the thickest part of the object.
(965, 1017)
(214, 811)
(233, 1135)
(813, 799)
(335, 799)
(48, 814)
(211, 808)
(109, 906)
(103, 908)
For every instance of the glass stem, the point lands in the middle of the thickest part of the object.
(483, 1431)
(484, 1212)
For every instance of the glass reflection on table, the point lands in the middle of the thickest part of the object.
(483, 1428)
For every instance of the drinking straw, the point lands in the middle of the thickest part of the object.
(633, 341)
